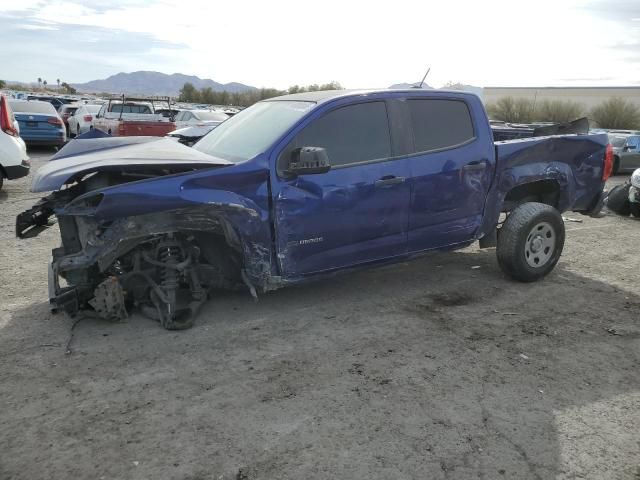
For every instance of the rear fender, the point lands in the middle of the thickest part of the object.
(574, 162)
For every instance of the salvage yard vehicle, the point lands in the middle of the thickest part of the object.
(302, 186)
(191, 118)
(40, 123)
(82, 119)
(626, 152)
(14, 162)
(128, 116)
(65, 111)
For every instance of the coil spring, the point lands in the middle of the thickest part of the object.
(169, 254)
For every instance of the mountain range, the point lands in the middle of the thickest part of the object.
(155, 83)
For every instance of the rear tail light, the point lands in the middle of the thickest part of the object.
(87, 118)
(54, 121)
(6, 122)
(607, 167)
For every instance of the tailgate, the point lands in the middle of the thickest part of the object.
(149, 129)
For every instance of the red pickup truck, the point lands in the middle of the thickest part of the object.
(128, 117)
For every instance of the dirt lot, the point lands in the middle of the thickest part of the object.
(440, 368)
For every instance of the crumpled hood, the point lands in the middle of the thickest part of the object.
(103, 154)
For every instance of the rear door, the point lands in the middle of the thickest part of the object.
(355, 213)
(452, 167)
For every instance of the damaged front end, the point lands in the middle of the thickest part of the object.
(155, 238)
(164, 264)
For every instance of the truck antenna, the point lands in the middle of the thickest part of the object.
(423, 78)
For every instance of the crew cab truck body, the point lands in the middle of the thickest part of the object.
(126, 117)
(302, 186)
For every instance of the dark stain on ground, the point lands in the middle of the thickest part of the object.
(434, 303)
(451, 299)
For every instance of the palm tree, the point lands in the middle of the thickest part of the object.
(39, 82)
(44, 82)
(58, 80)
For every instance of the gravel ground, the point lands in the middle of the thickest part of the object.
(439, 368)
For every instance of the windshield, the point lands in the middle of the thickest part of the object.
(217, 116)
(253, 130)
(32, 107)
(93, 108)
(617, 141)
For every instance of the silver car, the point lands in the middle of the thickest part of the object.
(626, 152)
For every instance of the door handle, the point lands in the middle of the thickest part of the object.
(389, 180)
(474, 167)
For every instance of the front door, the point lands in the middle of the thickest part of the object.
(355, 213)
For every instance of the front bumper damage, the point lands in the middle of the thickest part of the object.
(165, 265)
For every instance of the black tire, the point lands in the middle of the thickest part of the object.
(618, 200)
(526, 251)
(616, 165)
(635, 209)
(1, 180)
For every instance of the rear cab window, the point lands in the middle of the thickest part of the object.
(351, 134)
(440, 124)
(130, 108)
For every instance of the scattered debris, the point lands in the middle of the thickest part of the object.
(522, 355)
(571, 219)
(613, 331)
(476, 267)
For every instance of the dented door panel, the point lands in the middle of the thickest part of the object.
(341, 218)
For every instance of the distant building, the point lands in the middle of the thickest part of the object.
(587, 96)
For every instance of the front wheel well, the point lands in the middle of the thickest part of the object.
(542, 191)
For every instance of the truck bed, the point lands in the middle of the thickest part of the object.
(574, 161)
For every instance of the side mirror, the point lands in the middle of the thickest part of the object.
(308, 161)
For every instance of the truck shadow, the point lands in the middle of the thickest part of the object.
(438, 368)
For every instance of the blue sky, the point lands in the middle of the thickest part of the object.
(360, 44)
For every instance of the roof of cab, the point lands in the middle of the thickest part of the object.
(327, 95)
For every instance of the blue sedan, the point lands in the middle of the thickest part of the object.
(39, 123)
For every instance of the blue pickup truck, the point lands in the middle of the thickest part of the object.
(302, 186)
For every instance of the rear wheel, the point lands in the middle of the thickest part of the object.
(1, 180)
(616, 165)
(530, 241)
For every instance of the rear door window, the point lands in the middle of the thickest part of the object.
(351, 134)
(439, 124)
